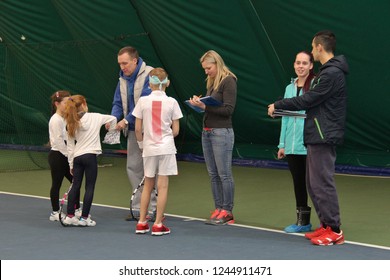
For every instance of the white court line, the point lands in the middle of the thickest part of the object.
(189, 219)
(363, 176)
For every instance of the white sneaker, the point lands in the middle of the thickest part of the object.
(78, 212)
(55, 216)
(71, 221)
(86, 222)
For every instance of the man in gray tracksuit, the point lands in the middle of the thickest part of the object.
(133, 83)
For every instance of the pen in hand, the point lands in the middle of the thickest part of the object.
(195, 98)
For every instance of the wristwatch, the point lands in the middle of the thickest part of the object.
(126, 122)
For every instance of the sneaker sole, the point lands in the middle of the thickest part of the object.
(160, 233)
(225, 223)
(338, 242)
(69, 225)
(142, 231)
(216, 223)
(210, 222)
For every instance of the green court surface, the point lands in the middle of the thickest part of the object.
(263, 197)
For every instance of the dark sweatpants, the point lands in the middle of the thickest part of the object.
(84, 164)
(320, 168)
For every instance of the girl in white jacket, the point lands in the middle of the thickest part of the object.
(58, 161)
(83, 148)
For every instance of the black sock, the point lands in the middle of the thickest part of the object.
(336, 229)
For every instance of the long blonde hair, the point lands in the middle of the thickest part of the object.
(73, 113)
(222, 70)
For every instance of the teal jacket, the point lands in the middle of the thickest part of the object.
(291, 132)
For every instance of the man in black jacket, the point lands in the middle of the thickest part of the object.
(326, 106)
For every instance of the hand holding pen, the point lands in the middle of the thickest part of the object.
(196, 98)
(195, 101)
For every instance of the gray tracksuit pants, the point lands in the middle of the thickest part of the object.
(320, 169)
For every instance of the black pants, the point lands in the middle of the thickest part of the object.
(87, 164)
(59, 168)
(297, 166)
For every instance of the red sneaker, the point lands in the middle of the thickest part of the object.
(329, 238)
(213, 217)
(142, 228)
(224, 217)
(318, 232)
(215, 214)
(160, 230)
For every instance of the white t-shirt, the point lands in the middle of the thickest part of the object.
(57, 134)
(88, 135)
(157, 111)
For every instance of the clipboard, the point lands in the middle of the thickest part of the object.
(207, 100)
(286, 113)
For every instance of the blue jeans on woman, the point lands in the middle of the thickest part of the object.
(217, 146)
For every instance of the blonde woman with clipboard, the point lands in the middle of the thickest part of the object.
(218, 134)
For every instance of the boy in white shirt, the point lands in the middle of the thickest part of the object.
(156, 125)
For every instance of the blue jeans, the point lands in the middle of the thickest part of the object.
(217, 146)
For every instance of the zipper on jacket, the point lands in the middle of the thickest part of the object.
(319, 128)
(293, 138)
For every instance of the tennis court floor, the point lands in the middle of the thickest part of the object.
(27, 234)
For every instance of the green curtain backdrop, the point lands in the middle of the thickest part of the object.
(58, 44)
